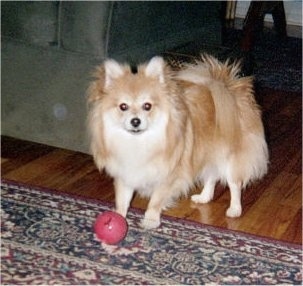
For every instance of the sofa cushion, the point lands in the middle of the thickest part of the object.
(30, 21)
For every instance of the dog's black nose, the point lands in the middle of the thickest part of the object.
(135, 122)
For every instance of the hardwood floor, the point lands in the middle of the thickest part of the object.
(271, 207)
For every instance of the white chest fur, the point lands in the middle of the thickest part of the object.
(136, 158)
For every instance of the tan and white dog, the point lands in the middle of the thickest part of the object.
(159, 132)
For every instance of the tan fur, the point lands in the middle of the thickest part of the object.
(208, 129)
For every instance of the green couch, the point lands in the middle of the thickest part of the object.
(50, 48)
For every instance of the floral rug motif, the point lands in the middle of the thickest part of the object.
(47, 238)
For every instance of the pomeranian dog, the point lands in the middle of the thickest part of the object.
(159, 132)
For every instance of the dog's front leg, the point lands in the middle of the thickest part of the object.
(156, 204)
(123, 197)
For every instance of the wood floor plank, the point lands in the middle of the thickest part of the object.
(16, 153)
(294, 230)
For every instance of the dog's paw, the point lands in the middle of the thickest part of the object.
(201, 199)
(150, 223)
(151, 219)
(234, 211)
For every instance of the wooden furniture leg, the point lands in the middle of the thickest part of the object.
(253, 22)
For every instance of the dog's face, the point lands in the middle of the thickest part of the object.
(134, 103)
(135, 114)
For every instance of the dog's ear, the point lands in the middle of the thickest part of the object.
(155, 68)
(112, 70)
(95, 89)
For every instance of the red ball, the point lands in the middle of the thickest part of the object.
(110, 227)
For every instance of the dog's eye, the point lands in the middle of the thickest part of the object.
(147, 106)
(123, 106)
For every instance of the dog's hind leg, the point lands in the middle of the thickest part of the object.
(207, 193)
(235, 208)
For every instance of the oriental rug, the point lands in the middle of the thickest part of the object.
(47, 238)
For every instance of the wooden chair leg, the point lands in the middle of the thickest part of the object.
(253, 24)
(252, 20)
(278, 14)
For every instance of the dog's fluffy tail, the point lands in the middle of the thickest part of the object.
(237, 115)
(233, 96)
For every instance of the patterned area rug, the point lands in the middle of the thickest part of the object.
(47, 238)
